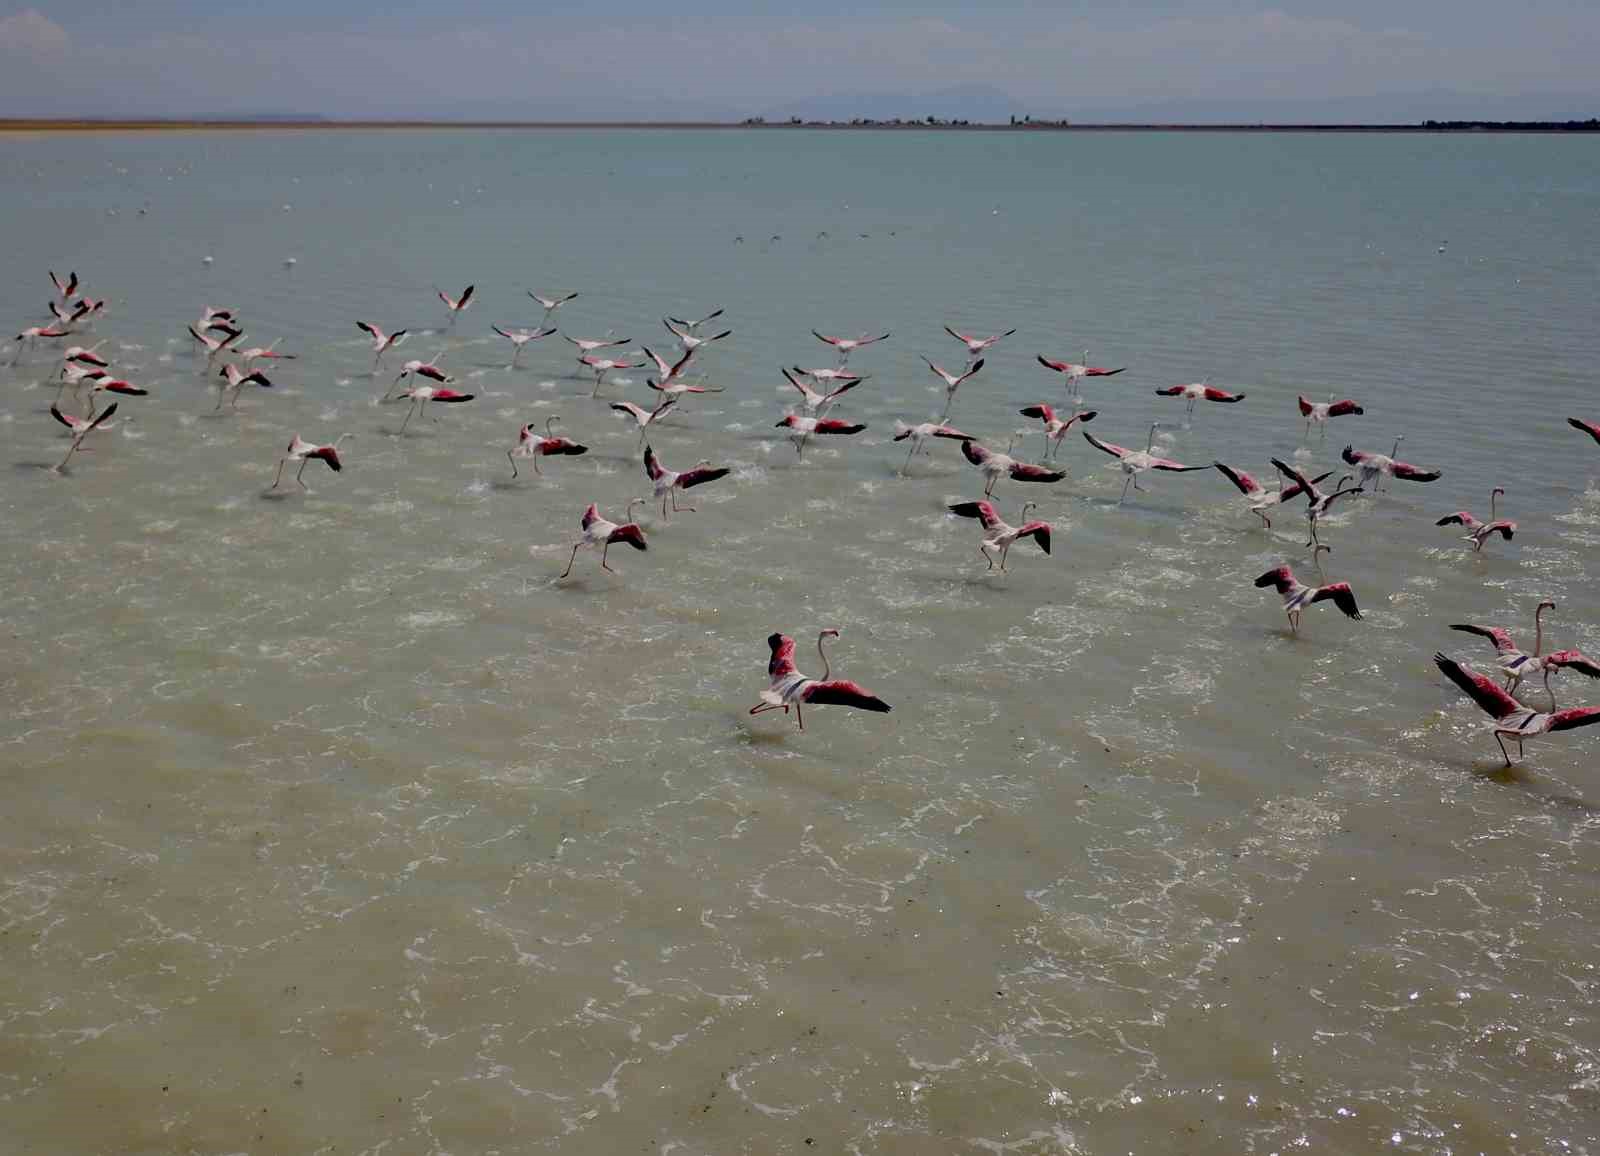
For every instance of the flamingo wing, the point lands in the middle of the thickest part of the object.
(1096, 371)
(1495, 702)
(833, 425)
(1306, 407)
(1211, 393)
(843, 692)
(590, 516)
(983, 511)
(1039, 532)
(1058, 366)
(975, 452)
(450, 395)
(945, 431)
(1459, 518)
(820, 337)
(71, 423)
(652, 466)
(1341, 408)
(1412, 473)
(135, 391)
(1342, 596)
(782, 661)
(1588, 427)
(1354, 456)
(466, 295)
(1042, 411)
(1282, 578)
(1574, 660)
(1023, 472)
(1246, 484)
(1173, 467)
(1500, 638)
(1504, 528)
(976, 365)
(329, 455)
(845, 388)
(1580, 716)
(1114, 450)
(700, 476)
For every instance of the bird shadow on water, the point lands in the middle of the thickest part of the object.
(1529, 783)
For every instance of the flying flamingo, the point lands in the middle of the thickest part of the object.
(917, 434)
(550, 304)
(80, 427)
(381, 342)
(666, 370)
(1055, 428)
(1376, 465)
(976, 345)
(33, 334)
(1588, 427)
(1511, 719)
(1318, 412)
(107, 384)
(839, 373)
(65, 290)
(804, 427)
(420, 395)
(86, 355)
(520, 338)
(603, 366)
(235, 380)
(1317, 502)
(992, 465)
(79, 311)
(88, 307)
(1000, 536)
(677, 389)
(456, 304)
(791, 688)
(589, 345)
(215, 345)
(694, 326)
(848, 345)
(531, 445)
(689, 339)
(813, 401)
(303, 451)
(644, 417)
(263, 353)
(75, 375)
(1075, 371)
(212, 318)
(1480, 532)
(420, 368)
(599, 532)
(1136, 462)
(669, 482)
(1297, 595)
(1514, 663)
(1258, 496)
(952, 381)
(1199, 391)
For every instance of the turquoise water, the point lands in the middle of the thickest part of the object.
(335, 821)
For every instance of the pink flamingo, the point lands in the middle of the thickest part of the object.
(920, 433)
(976, 345)
(1513, 662)
(75, 375)
(645, 417)
(456, 304)
(694, 326)
(1480, 532)
(668, 370)
(420, 368)
(1385, 465)
(1588, 427)
(303, 451)
(550, 304)
(235, 380)
(79, 312)
(106, 384)
(215, 345)
(263, 353)
(999, 535)
(80, 427)
(420, 395)
(1199, 391)
(1258, 496)
(848, 345)
(952, 381)
(597, 532)
(669, 482)
(86, 355)
(603, 366)
(589, 345)
(1511, 719)
(818, 402)
(791, 688)
(993, 465)
(381, 342)
(531, 445)
(519, 338)
(34, 334)
(1136, 462)
(1318, 412)
(1297, 595)
(804, 427)
(1075, 371)
(1055, 428)
(691, 340)
(837, 374)
(65, 290)
(1317, 502)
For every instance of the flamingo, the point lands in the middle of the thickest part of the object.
(668, 371)
(917, 434)
(813, 401)
(1588, 427)
(235, 380)
(669, 482)
(1297, 595)
(418, 367)
(805, 427)
(597, 532)
(79, 311)
(80, 427)
(34, 334)
(106, 384)
(999, 535)
(644, 417)
(75, 375)
(588, 345)
(791, 688)
(1055, 428)
(1317, 502)
(420, 395)
(520, 338)
(550, 304)
(65, 290)
(848, 345)
(1075, 371)
(679, 388)
(303, 451)
(1318, 412)
(603, 366)
(992, 465)
(1199, 391)
(88, 307)
(263, 353)
(1514, 663)
(839, 373)
(1511, 719)
(1136, 462)
(694, 326)
(1480, 532)
(976, 345)
(381, 342)
(215, 345)
(456, 304)
(1376, 465)
(952, 381)
(86, 355)
(1258, 496)
(531, 445)
(211, 317)
(689, 339)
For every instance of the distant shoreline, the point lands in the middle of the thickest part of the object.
(28, 125)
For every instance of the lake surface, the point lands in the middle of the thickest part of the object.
(334, 822)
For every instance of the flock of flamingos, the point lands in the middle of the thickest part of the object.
(219, 334)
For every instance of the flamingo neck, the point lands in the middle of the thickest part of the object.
(826, 669)
(1538, 631)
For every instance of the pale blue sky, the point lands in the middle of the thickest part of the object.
(721, 58)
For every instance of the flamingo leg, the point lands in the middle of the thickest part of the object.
(1294, 622)
(409, 412)
(1503, 751)
(985, 552)
(1547, 688)
(798, 716)
(597, 378)
(279, 478)
(1266, 521)
(536, 468)
(70, 451)
(909, 456)
(1125, 486)
(513, 462)
(763, 707)
(572, 559)
(1004, 550)
(604, 550)
(304, 462)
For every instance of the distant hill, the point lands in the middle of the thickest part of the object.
(979, 103)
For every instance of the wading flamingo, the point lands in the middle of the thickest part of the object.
(1055, 428)
(455, 304)
(215, 345)
(235, 380)
(420, 368)
(644, 417)
(531, 445)
(420, 395)
(791, 688)
(1512, 720)
(1385, 465)
(105, 384)
(1480, 532)
(303, 451)
(600, 534)
(65, 288)
(997, 534)
(1318, 412)
(1260, 498)
(920, 433)
(1075, 371)
(520, 338)
(952, 381)
(1514, 663)
(817, 403)
(381, 342)
(669, 482)
(992, 465)
(1317, 502)
(1297, 595)
(802, 428)
(603, 366)
(1135, 462)
(80, 427)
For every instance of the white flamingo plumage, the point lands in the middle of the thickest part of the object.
(1258, 497)
(1318, 412)
(303, 452)
(1480, 532)
(80, 428)
(600, 534)
(520, 338)
(999, 535)
(922, 432)
(531, 445)
(456, 304)
(1135, 462)
(1297, 595)
(644, 417)
(667, 482)
(381, 342)
(1055, 427)
(550, 304)
(789, 688)
(1075, 371)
